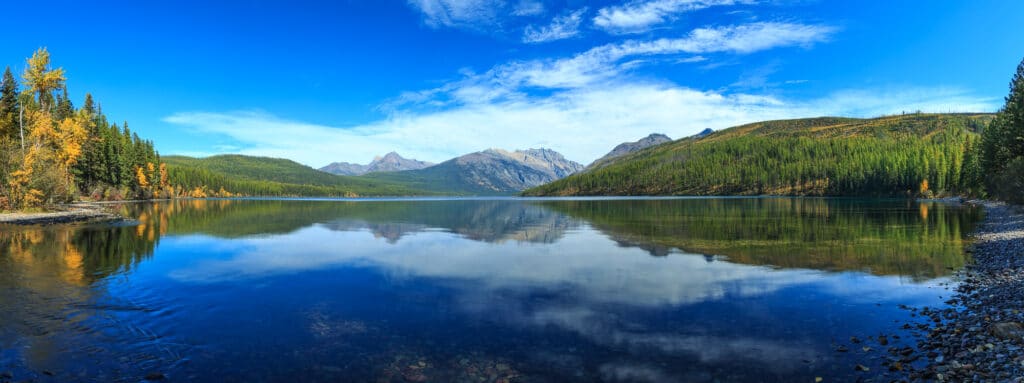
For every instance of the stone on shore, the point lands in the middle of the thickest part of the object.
(1008, 330)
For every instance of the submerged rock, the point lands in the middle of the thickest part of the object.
(1007, 330)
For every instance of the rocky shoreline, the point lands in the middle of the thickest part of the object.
(979, 335)
(71, 213)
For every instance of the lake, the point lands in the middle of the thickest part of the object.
(474, 290)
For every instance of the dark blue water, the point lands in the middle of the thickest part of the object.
(699, 290)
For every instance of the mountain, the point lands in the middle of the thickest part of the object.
(391, 162)
(905, 155)
(630, 147)
(489, 172)
(345, 169)
(703, 133)
(263, 176)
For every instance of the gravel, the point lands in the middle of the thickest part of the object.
(78, 212)
(979, 335)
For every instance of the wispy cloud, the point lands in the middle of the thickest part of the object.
(458, 13)
(528, 8)
(606, 62)
(562, 27)
(640, 15)
(581, 105)
(692, 59)
(581, 123)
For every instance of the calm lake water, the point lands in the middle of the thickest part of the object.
(628, 290)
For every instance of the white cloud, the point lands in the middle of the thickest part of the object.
(528, 8)
(581, 105)
(637, 279)
(458, 13)
(583, 124)
(602, 63)
(693, 59)
(746, 38)
(562, 27)
(640, 15)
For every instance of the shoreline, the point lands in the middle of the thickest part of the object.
(979, 336)
(77, 212)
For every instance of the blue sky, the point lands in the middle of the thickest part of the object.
(319, 82)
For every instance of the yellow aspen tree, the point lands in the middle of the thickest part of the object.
(42, 80)
(151, 175)
(40, 128)
(50, 145)
(70, 137)
(140, 176)
(22, 195)
(164, 180)
(198, 192)
(40, 134)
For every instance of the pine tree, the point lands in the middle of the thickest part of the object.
(1014, 112)
(1003, 140)
(65, 109)
(89, 168)
(89, 106)
(1003, 144)
(8, 105)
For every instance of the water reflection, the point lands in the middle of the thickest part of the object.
(563, 290)
(880, 237)
(573, 264)
(482, 220)
(76, 255)
(487, 221)
(54, 296)
(570, 286)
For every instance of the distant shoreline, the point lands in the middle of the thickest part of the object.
(97, 211)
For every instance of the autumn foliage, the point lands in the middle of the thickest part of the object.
(52, 145)
(51, 152)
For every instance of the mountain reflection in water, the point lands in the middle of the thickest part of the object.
(448, 290)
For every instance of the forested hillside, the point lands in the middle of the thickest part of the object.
(226, 175)
(906, 155)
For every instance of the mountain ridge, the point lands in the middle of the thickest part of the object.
(488, 172)
(629, 147)
(390, 162)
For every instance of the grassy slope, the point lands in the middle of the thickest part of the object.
(725, 162)
(274, 176)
